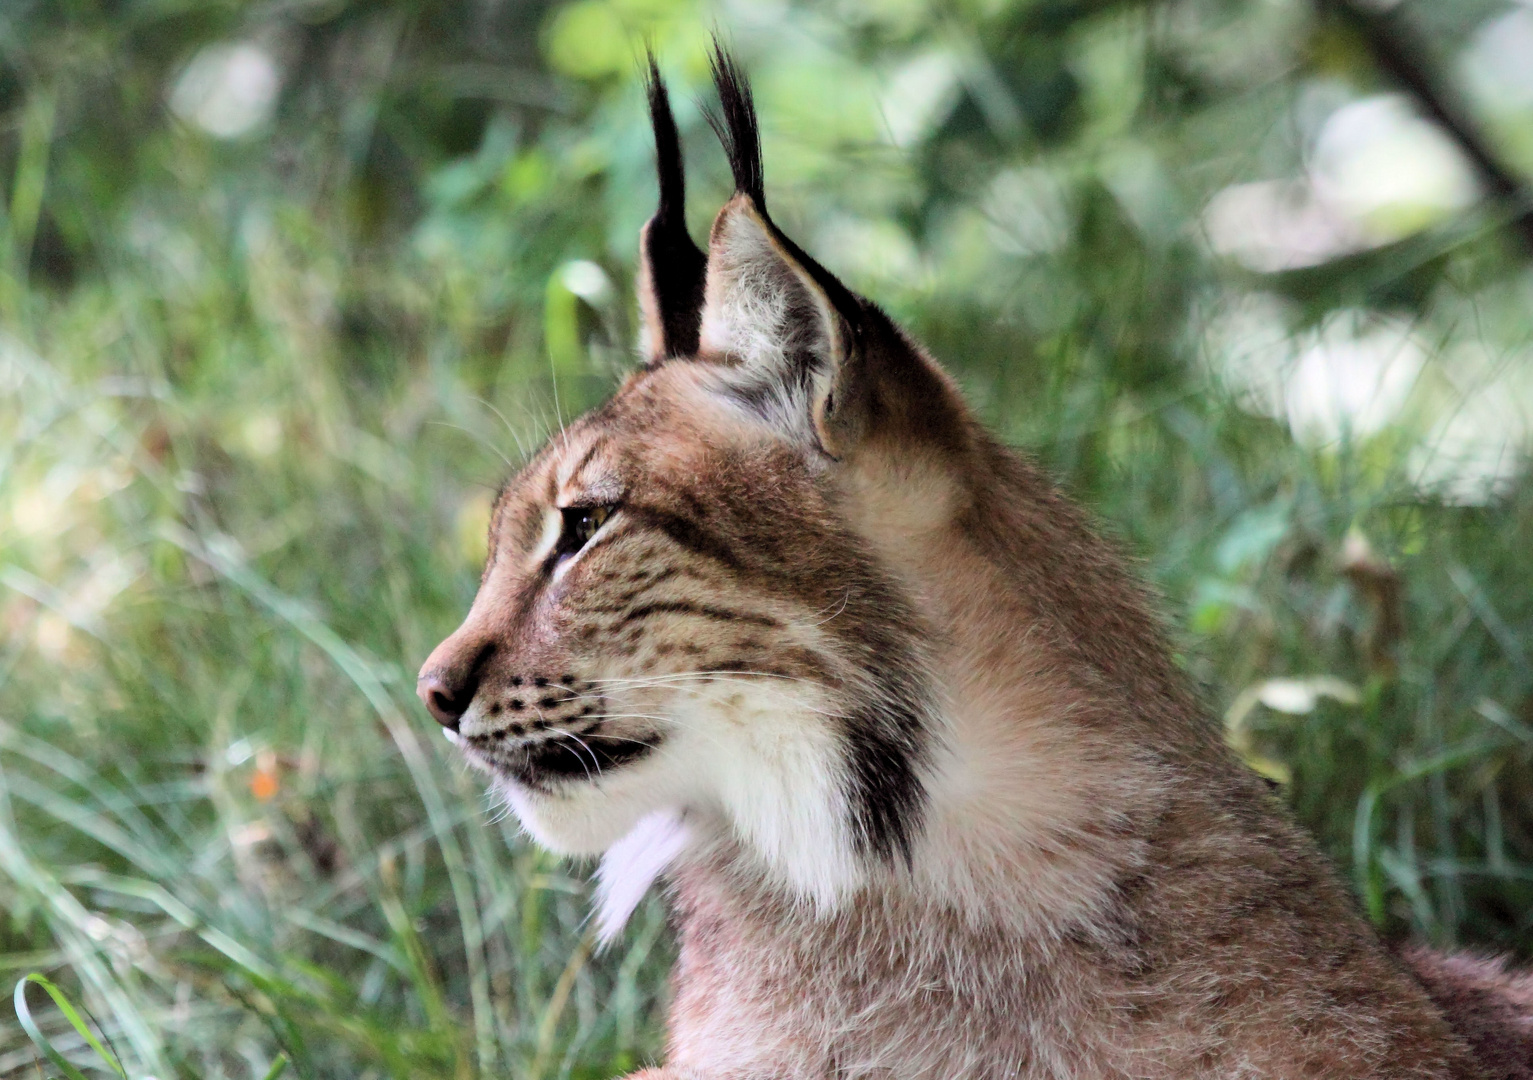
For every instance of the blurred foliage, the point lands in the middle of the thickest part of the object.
(286, 286)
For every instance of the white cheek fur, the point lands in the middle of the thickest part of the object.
(631, 866)
(762, 764)
(777, 771)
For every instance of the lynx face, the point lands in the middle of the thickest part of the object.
(683, 633)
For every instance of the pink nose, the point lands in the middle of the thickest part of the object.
(447, 704)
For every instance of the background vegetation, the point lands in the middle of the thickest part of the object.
(287, 286)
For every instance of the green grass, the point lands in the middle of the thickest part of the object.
(222, 813)
(248, 441)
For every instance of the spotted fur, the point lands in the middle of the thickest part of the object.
(783, 626)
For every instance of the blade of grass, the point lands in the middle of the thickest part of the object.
(67, 920)
(1369, 884)
(549, 1025)
(76, 1021)
(27, 190)
(177, 910)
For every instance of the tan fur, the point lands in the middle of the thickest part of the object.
(930, 795)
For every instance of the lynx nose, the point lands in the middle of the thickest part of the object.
(445, 702)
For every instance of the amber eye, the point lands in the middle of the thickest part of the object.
(580, 524)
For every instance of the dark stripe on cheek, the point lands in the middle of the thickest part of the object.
(705, 611)
(627, 596)
(686, 533)
(888, 799)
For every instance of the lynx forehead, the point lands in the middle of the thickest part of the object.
(783, 624)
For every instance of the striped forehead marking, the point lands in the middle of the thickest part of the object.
(570, 470)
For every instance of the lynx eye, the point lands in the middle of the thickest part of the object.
(579, 525)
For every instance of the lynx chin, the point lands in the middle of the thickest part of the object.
(782, 627)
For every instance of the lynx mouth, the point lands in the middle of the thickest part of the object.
(563, 760)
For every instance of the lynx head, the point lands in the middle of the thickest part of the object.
(686, 633)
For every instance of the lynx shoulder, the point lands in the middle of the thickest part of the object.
(782, 626)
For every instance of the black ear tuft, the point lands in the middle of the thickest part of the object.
(736, 128)
(673, 267)
(673, 182)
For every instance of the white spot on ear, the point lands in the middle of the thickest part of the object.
(764, 310)
(631, 866)
(747, 308)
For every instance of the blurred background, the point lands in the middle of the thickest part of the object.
(288, 286)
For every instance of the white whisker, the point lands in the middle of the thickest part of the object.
(583, 745)
(844, 601)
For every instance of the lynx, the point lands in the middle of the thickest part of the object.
(782, 627)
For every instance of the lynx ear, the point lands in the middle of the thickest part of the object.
(772, 313)
(671, 267)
